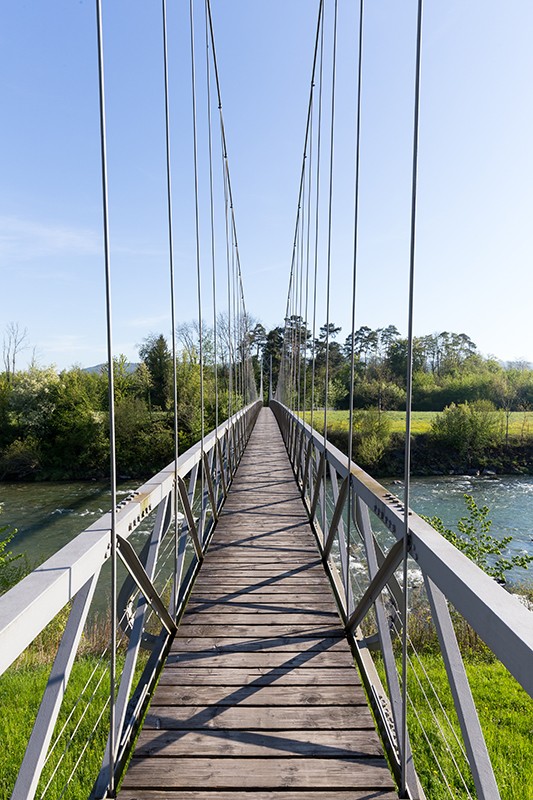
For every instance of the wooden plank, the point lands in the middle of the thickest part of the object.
(227, 631)
(261, 606)
(257, 774)
(251, 695)
(242, 618)
(352, 794)
(221, 676)
(282, 744)
(284, 718)
(310, 659)
(256, 643)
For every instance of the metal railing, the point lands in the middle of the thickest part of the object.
(360, 530)
(160, 561)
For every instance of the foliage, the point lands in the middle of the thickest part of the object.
(157, 358)
(475, 541)
(6, 556)
(467, 428)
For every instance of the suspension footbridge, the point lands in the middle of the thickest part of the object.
(254, 601)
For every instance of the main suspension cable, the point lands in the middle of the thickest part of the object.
(329, 236)
(212, 208)
(317, 47)
(197, 230)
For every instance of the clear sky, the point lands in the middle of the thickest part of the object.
(474, 246)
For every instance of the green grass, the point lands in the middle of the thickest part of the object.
(520, 422)
(506, 715)
(21, 690)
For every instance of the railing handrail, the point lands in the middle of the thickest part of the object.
(31, 604)
(502, 621)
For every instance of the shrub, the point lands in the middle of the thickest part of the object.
(468, 428)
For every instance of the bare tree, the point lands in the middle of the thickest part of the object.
(15, 340)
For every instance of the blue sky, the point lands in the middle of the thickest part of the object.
(474, 248)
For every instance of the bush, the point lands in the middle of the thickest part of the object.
(475, 541)
(468, 428)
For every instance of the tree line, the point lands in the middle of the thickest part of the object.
(55, 424)
(447, 368)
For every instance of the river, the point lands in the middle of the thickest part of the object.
(48, 515)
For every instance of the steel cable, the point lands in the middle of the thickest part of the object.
(111, 389)
(409, 391)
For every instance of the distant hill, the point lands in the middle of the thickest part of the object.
(130, 367)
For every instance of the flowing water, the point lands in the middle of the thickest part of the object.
(48, 515)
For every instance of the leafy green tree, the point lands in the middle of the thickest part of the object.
(157, 357)
(32, 400)
(475, 541)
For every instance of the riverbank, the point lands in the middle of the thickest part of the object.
(504, 447)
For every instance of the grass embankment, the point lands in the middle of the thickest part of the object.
(21, 690)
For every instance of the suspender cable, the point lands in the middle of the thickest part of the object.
(330, 222)
(197, 232)
(309, 193)
(172, 300)
(317, 219)
(212, 207)
(407, 476)
(111, 395)
(355, 261)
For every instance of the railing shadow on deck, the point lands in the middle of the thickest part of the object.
(347, 507)
(160, 559)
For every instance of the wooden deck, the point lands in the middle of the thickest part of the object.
(259, 697)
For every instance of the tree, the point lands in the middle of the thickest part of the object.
(155, 354)
(273, 349)
(15, 340)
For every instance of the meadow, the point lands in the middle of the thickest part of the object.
(520, 422)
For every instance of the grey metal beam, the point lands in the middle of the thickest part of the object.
(476, 749)
(132, 562)
(34, 758)
(336, 519)
(394, 556)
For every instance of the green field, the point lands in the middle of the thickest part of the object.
(520, 422)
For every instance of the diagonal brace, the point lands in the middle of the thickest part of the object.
(210, 487)
(184, 496)
(139, 575)
(318, 484)
(336, 518)
(394, 556)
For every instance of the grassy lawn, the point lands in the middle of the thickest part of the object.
(506, 715)
(20, 695)
(520, 422)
